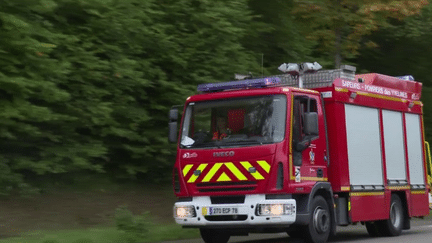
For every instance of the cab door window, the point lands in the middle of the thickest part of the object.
(303, 107)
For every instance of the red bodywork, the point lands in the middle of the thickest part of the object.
(386, 93)
(377, 91)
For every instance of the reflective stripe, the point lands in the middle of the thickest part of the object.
(292, 170)
(398, 187)
(380, 96)
(314, 178)
(264, 165)
(212, 171)
(223, 177)
(256, 175)
(418, 192)
(186, 169)
(193, 178)
(341, 90)
(231, 167)
(365, 194)
(235, 171)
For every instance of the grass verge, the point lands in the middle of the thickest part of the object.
(156, 233)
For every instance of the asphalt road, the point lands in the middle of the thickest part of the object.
(420, 232)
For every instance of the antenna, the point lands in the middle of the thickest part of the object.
(262, 64)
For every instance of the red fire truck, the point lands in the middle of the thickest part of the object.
(301, 153)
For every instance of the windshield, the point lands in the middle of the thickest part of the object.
(234, 122)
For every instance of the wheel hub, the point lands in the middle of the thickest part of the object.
(395, 216)
(321, 220)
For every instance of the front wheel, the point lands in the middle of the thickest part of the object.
(214, 236)
(319, 227)
(393, 226)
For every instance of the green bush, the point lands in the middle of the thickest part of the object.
(51, 241)
(135, 227)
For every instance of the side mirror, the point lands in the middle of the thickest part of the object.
(173, 114)
(172, 125)
(311, 123)
(172, 134)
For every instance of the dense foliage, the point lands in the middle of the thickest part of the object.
(85, 85)
(338, 26)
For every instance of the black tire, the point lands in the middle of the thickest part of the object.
(320, 225)
(295, 231)
(214, 236)
(373, 228)
(393, 226)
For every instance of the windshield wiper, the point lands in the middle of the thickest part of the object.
(221, 144)
(205, 145)
(244, 142)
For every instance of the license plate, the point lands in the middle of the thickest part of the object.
(219, 211)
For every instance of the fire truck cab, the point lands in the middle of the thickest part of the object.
(302, 155)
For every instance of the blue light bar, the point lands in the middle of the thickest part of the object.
(406, 77)
(249, 83)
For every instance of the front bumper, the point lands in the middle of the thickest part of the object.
(245, 216)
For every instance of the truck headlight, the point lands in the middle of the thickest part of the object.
(275, 209)
(184, 212)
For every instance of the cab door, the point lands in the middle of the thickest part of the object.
(308, 140)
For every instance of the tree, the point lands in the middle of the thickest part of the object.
(200, 44)
(86, 85)
(403, 47)
(275, 34)
(35, 127)
(337, 26)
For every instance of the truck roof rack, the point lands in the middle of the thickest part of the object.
(318, 79)
(322, 78)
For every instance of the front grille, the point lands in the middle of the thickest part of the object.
(226, 186)
(226, 217)
(227, 189)
(227, 199)
(239, 183)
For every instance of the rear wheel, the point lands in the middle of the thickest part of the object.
(214, 236)
(393, 226)
(319, 227)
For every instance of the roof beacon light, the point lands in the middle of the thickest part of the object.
(296, 69)
(299, 69)
(406, 77)
(291, 68)
(244, 84)
(311, 67)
